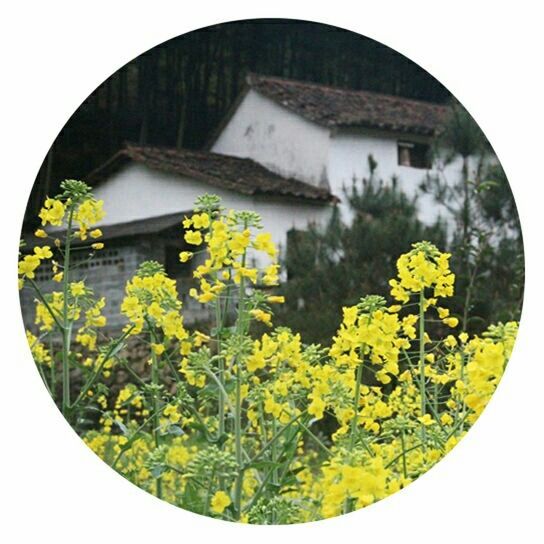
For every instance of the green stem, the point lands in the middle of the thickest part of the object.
(132, 439)
(220, 387)
(238, 399)
(46, 304)
(356, 399)
(402, 441)
(353, 432)
(221, 370)
(156, 409)
(238, 411)
(316, 439)
(42, 374)
(395, 459)
(273, 454)
(268, 475)
(422, 391)
(208, 493)
(66, 326)
(52, 370)
(463, 409)
(110, 353)
(280, 433)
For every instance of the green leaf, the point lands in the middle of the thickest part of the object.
(175, 430)
(158, 471)
(123, 427)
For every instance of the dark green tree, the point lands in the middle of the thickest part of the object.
(484, 231)
(335, 266)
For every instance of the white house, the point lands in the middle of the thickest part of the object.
(285, 149)
(142, 182)
(148, 190)
(323, 135)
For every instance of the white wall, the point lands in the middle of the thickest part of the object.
(348, 159)
(278, 139)
(137, 192)
(288, 144)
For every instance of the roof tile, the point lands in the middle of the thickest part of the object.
(336, 107)
(232, 173)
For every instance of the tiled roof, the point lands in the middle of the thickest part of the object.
(142, 226)
(336, 107)
(148, 225)
(232, 173)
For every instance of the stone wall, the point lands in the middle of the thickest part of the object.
(107, 274)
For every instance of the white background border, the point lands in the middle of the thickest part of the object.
(54, 54)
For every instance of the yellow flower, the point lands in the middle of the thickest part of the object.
(426, 420)
(263, 242)
(446, 419)
(239, 242)
(89, 212)
(28, 265)
(243, 272)
(260, 315)
(40, 233)
(43, 252)
(172, 413)
(430, 357)
(77, 288)
(220, 501)
(317, 407)
(52, 212)
(158, 349)
(200, 338)
(96, 233)
(451, 321)
(201, 221)
(97, 245)
(39, 351)
(424, 266)
(184, 256)
(271, 275)
(193, 237)
(274, 299)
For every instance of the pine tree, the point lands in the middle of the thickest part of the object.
(337, 265)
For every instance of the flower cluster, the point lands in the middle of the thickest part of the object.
(152, 299)
(423, 267)
(254, 426)
(229, 239)
(74, 210)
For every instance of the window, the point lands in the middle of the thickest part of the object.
(416, 155)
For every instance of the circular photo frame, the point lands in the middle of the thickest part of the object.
(271, 271)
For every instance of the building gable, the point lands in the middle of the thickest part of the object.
(277, 138)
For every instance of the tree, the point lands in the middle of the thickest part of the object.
(485, 239)
(334, 266)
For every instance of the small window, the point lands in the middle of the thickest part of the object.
(414, 154)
